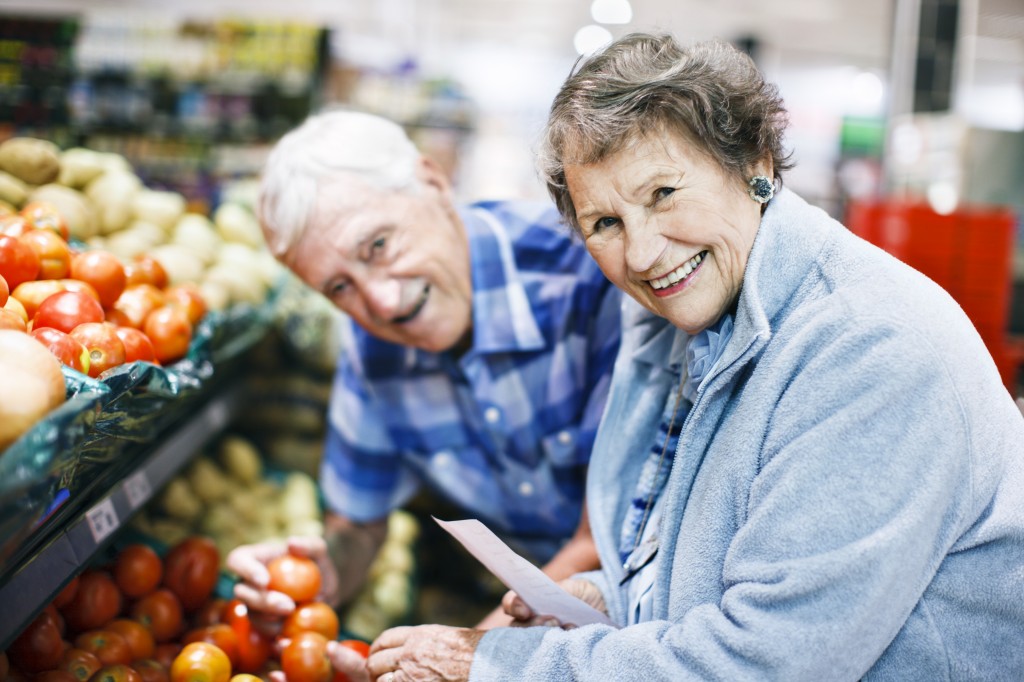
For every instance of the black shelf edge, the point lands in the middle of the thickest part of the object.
(41, 577)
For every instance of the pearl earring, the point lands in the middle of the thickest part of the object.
(761, 189)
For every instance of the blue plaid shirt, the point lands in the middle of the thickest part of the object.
(505, 431)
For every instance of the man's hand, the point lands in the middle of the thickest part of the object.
(250, 563)
(523, 616)
(415, 653)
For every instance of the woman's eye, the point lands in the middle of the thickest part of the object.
(603, 223)
(663, 192)
(335, 289)
(377, 244)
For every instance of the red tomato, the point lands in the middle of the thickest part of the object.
(80, 663)
(32, 294)
(97, 601)
(296, 576)
(115, 673)
(43, 216)
(201, 662)
(103, 271)
(166, 652)
(146, 270)
(138, 570)
(67, 593)
(18, 262)
(210, 613)
(137, 302)
(139, 638)
(221, 635)
(108, 646)
(5, 666)
(152, 670)
(38, 647)
(254, 647)
(312, 617)
(11, 320)
(66, 349)
(105, 348)
(188, 298)
(305, 659)
(79, 285)
(160, 611)
(54, 676)
(54, 254)
(65, 310)
(170, 331)
(5, 291)
(357, 645)
(191, 569)
(137, 346)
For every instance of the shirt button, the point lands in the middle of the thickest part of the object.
(564, 437)
(492, 415)
(442, 458)
(525, 488)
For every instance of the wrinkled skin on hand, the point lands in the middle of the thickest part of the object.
(523, 616)
(269, 608)
(419, 653)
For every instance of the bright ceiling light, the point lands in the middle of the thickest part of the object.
(611, 11)
(591, 38)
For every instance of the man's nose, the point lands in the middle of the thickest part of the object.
(383, 298)
(644, 244)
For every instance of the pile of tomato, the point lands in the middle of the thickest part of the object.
(147, 618)
(86, 307)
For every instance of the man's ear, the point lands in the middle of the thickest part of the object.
(430, 173)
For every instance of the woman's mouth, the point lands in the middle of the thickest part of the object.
(417, 307)
(678, 278)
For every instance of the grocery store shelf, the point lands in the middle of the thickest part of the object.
(40, 577)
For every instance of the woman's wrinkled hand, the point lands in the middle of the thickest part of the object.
(249, 562)
(523, 616)
(413, 654)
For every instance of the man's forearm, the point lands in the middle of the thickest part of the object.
(352, 547)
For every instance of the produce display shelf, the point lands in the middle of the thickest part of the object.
(37, 579)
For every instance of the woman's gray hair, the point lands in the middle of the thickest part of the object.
(710, 92)
(325, 146)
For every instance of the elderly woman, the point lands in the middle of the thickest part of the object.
(808, 467)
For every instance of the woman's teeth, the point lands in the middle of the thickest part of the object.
(679, 273)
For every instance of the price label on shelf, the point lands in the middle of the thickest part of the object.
(102, 520)
(137, 489)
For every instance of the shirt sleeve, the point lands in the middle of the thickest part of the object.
(602, 348)
(362, 474)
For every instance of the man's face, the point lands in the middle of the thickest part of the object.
(396, 262)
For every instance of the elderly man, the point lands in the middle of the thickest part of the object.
(476, 360)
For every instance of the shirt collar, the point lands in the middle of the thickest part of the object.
(503, 319)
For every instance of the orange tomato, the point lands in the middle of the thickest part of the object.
(138, 569)
(137, 346)
(54, 254)
(103, 271)
(254, 647)
(170, 331)
(116, 673)
(80, 663)
(107, 645)
(357, 645)
(220, 635)
(188, 298)
(45, 216)
(146, 270)
(151, 670)
(297, 576)
(305, 659)
(201, 662)
(312, 617)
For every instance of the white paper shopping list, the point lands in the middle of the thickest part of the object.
(539, 591)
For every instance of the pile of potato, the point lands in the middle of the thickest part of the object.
(106, 205)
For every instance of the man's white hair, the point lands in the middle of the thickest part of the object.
(325, 146)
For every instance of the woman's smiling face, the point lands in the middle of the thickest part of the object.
(667, 225)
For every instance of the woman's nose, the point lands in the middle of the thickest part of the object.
(644, 245)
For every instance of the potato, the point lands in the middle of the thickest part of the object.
(30, 159)
(243, 286)
(215, 294)
(127, 244)
(76, 210)
(79, 167)
(240, 459)
(160, 208)
(179, 501)
(12, 190)
(208, 481)
(196, 233)
(113, 195)
(182, 264)
(236, 224)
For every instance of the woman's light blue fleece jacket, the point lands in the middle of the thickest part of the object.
(847, 501)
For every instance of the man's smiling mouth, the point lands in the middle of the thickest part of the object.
(416, 308)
